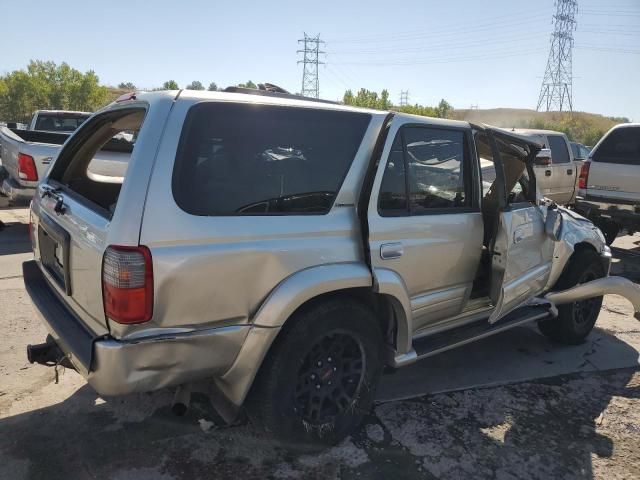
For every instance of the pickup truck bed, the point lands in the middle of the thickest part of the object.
(43, 148)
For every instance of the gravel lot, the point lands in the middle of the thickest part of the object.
(512, 406)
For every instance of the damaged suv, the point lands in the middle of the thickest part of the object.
(289, 249)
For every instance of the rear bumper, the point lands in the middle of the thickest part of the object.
(16, 193)
(593, 207)
(119, 367)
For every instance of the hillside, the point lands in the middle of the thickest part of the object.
(583, 127)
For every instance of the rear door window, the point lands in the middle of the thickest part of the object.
(245, 159)
(559, 151)
(620, 146)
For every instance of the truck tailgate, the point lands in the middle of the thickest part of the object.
(614, 180)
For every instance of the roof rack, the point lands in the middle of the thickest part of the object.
(271, 90)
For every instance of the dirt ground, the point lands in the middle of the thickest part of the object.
(513, 406)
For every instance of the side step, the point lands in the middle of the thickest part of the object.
(433, 344)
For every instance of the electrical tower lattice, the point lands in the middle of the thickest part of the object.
(556, 91)
(310, 60)
(404, 98)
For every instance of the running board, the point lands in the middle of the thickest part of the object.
(430, 345)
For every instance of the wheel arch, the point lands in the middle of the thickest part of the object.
(301, 291)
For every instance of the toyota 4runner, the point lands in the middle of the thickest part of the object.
(289, 249)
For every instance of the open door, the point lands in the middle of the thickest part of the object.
(521, 251)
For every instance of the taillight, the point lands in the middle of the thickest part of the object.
(127, 284)
(27, 168)
(584, 175)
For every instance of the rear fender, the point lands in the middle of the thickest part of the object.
(294, 292)
(283, 301)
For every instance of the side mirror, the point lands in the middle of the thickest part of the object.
(553, 222)
(544, 157)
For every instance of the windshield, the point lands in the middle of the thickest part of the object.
(60, 122)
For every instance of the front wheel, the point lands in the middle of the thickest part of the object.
(319, 380)
(576, 320)
(610, 230)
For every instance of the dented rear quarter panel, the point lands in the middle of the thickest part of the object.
(214, 271)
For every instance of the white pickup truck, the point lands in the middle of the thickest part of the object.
(609, 186)
(25, 155)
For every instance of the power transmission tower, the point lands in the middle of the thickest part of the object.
(310, 60)
(404, 98)
(556, 91)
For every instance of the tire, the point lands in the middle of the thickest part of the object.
(610, 230)
(576, 320)
(320, 377)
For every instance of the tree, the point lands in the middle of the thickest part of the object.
(195, 85)
(126, 86)
(249, 84)
(443, 109)
(170, 85)
(48, 85)
(213, 87)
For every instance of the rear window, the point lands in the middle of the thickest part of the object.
(93, 164)
(59, 122)
(622, 145)
(559, 151)
(242, 159)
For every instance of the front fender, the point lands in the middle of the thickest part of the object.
(576, 230)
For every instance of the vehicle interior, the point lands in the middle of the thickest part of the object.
(512, 174)
(95, 163)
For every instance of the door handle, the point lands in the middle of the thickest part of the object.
(547, 173)
(391, 250)
(518, 235)
(569, 172)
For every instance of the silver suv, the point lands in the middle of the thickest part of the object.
(289, 249)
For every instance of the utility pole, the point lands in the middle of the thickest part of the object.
(404, 98)
(557, 91)
(310, 60)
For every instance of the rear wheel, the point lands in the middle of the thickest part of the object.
(576, 320)
(320, 378)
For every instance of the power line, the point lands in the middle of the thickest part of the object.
(310, 61)
(556, 89)
(492, 21)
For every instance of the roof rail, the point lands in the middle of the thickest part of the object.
(271, 90)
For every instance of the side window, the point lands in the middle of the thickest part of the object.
(435, 160)
(519, 184)
(621, 145)
(244, 159)
(429, 162)
(559, 152)
(392, 200)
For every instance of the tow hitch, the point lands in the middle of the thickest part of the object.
(48, 353)
(602, 286)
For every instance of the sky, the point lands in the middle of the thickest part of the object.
(489, 53)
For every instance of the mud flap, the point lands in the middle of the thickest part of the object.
(601, 286)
